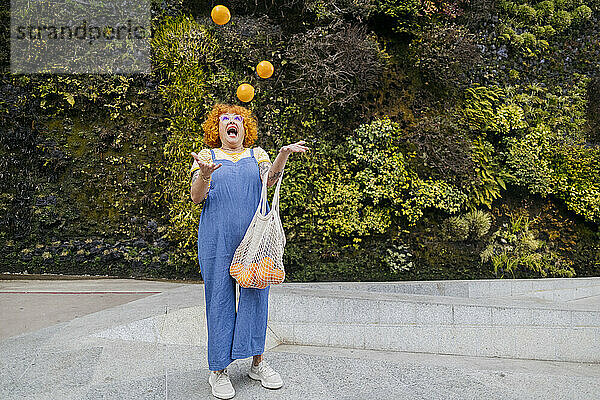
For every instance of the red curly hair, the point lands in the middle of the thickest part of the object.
(211, 125)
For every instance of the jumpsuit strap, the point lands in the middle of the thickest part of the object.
(252, 152)
(212, 154)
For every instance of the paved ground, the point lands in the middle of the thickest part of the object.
(53, 346)
(28, 305)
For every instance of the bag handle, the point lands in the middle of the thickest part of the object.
(275, 203)
(262, 206)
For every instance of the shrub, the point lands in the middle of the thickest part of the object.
(456, 228)
(479, 109)
(515, 246)
(543, 45)
(549, 31)
(332, 69)
(386, 181)
(593, 110)
(473, 225)
(518, 40)
(446, 55)
(581, 14)
(545, 9)
(399, 258)
(538, 31)
(444, 149)
(488, 180)
(479, 223)
(554, 159)
(507, 6)
(529, 40)
(577, 170)
(403, 13)
(529, 160)
(510, 118)
(442, 8)
(563, 4)
(506, 33)
(430, 193)
(561, 20)
(336, 10)
(244, 42)
(526, 13)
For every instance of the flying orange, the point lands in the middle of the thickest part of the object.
(264, 69)
(220, 15)
(245, 92)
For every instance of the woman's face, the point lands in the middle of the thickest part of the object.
(231, 129)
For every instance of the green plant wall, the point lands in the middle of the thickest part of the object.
(449, 140)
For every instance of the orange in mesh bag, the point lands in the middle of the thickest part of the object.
(268, 273)
(258, 260)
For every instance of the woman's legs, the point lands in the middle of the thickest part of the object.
(255, 360)
(220, 319)
(251, 323)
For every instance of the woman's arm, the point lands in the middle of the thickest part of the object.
(199, 188)
(276, 169)
(201, 179)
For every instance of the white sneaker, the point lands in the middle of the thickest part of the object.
(266, 375)
(221, 385)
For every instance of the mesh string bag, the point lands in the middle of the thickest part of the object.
(258, 260)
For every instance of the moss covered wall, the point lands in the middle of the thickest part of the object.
(450, 141)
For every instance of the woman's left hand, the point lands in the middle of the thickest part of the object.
(297, 147)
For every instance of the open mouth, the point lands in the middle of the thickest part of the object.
(232, 131)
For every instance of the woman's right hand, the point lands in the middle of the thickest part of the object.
(205, 169)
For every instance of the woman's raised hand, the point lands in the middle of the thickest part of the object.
(297, 147)
(206, 169)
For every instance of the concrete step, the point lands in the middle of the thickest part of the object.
(363, 316)
(568, 289)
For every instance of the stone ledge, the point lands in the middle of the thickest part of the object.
(365, 316)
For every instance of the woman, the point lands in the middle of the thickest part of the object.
(227, 179)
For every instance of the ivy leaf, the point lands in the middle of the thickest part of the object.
(501, 182)
(70, 99)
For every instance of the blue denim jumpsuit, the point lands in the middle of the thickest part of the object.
(232, 200)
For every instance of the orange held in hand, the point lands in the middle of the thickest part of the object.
(220, 15)
(264, 69)
(245, 92)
